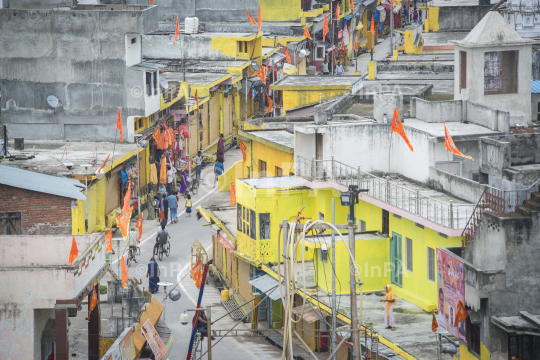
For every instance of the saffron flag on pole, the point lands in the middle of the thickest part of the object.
(177, 31)
(233, 194)
(337, 12)
(197, 97)
(92, 301)
(127, 198)
(125, 274)
(397, 127)
(372, 25)
(251, 19)
(123, 222)
(138, 225)
(306, 33)
(461, 313)
(243, 148)
(270, 104)
(450, 146)
(356, 42)
(434, 323)
(108, 242)
(119, 125)
(261, 73)
(196, 274)
(352, 5)
(74, 251)
(287, 56)
(393, 3)
(150, 2)
(104, 163)
(325, 29)
(259, 23)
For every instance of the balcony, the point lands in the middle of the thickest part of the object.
(395, 194)
(171, 95)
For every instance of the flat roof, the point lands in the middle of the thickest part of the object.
(280, 137)
(273, 182)
(327, 237)
(317, 80)
(458, 130)
(202, 78)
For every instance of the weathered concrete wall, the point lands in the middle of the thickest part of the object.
(77, 56)
(38, 4)
(495, 155)
(196, 46)
(462, 188)
(492, 118)
(460, 18)
(436, 111)
(384, 104)
(525, 148)
(535, 100)
(205, 10)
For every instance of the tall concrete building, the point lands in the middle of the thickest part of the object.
(82, 56)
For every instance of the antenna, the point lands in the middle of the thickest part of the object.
(164, 83)
(53, 101)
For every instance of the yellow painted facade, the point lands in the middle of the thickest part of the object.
(308, 96)
(433, 17)
(280, 10)
(235, 46)
(465, 354)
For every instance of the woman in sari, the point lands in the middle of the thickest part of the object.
(153, 276)
(183, 182)
(221, 149)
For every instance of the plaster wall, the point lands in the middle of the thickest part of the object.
(436, 111)
(304, 145)
(78, 56)
(462, 187)
(460, 18)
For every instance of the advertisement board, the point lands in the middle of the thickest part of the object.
(123, 348)
(154, 340)
(450, 291)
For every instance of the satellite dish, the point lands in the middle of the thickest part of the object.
(164, 83)
(53, 101)
(255, 66)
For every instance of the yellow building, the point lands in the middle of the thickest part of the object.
(299, 91)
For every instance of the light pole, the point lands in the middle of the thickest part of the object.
(144, 145)
(86, 166)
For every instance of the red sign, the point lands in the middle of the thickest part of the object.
(226, 241)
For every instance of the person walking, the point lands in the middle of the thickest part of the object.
(221, 149)
(390, 302)
(188, 206)
(218, 170)
(157, 204)
(164, 207)
(415, 16)
(324, 67)
(153, 276)
(171, 178)
(198, 165)
(173, 207)
(339, 69)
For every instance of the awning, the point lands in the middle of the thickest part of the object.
(265, 284)
(310, 315)
(525, 323)
(348, 17)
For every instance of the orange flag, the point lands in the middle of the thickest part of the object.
(434, 323)
(125, 274)
(127, 198)
(270, 104)
(92, 301)
(150, 2)
(177, 31)
(352, 4)
(450, 146)
(306, 33)
(262, 73)
(119, 125)
(74, 251)
(251, 19)
(196, 274)
(397, 127)
(372, 25)
(108, 242)
(243, 148)
(337, 12)
(461, 313)
(286, 52)
(197, 97)
(259, 23)
(123, 222)
(139, 227)
(356, 42)
(393, 3)
(325, 29)
(233, 194)
(105, 162)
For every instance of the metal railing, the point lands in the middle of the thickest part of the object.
(170, 94)
(447, 214)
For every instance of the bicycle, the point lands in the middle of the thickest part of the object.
(192, 188)
(164, 250)
(133, 255)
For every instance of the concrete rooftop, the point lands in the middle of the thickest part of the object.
(458, 130)
(315, 80)
(281, 137)
(202, 78)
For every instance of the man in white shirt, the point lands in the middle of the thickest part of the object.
(171, 178)
(198, 164)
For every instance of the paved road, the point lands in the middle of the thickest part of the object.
(172, 268)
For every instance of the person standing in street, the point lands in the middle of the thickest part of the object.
(153, 276)
(188, 206)
(324, 67)
(164, 207)
(339, 69)
(218, 170)
(390, 302)
(198, 165)
(173, 207)
(171, 178)
(221, 149)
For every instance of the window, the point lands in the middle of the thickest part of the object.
(321, 216)
(279, 171)
(419, 225)
(245, 221)
(472, 334)
(362, 225)
(10, 223)
(156, 87)
(524, 347)
(443, 235)
(252, 225)
(134, 40)
(500, 72)
(538, 108)
(238, 217)
(409, 254)
(319, 55)
(242, 47)
(431, 264)
(396, 216)
(463, 69)
(385, 222)
(262, 168)
(264, 226)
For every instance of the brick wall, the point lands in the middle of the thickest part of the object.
(43, 214)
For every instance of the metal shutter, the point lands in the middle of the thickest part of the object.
(245, 289)
(231, 269)
(218, 254)
(214, 117)
(227, 115)
(142, 168)
(112, 194)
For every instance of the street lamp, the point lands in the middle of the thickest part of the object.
(86, 166)
(184, 318)
(143, 144)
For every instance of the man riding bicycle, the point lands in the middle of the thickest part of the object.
(133, 239)
(161, 237)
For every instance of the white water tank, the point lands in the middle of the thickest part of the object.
(192, 25)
